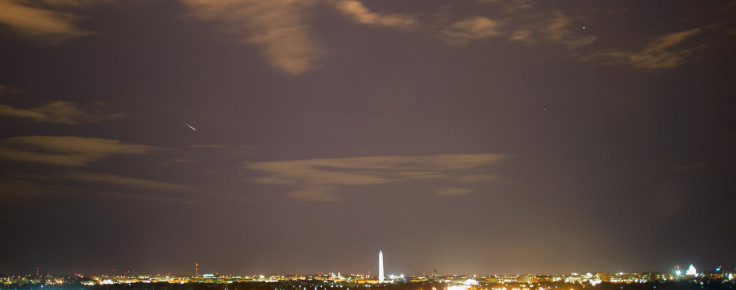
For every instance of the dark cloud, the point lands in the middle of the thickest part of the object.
(660, 53)
(8, 90)
(59, 112)
(22, 191)
(65, 150)
(125, 181)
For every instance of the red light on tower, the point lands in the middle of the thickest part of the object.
(196, 269)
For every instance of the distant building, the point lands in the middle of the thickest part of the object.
(691, 271)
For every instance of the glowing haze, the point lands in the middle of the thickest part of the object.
(489, 136)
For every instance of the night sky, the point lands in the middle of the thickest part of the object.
(285, 136)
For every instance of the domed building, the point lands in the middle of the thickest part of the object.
(691, 271)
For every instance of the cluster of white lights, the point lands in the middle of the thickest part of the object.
(471, 282)
(691, 271)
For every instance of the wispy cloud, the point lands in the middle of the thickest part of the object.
(168, 199)
(65, 150)
(524, 35)
(176, 161)
(660, 53)
(464, 31)
(319, 179)
(8, 90)
(16, 191)
(361, 14)
(282, 32)
(529, 22)
(72, 3)
(278, 27)
(59, 112)
(511, 6)
(556, 25)
(207, 146)
(315, 193)
(21, 189)
(235, 150)
(453, 191)
(517, 20)
(43, 20)
(125, 181)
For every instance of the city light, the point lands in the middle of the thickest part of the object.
(691, 271)
(324, 281)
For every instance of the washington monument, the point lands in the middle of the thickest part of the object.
(380, 267)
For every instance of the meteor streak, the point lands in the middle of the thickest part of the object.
(190, 126)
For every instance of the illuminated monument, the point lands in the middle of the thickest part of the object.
(380, 267)
(691, 271)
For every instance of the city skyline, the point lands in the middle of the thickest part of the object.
(692, 279)
(380, 275)
(302, 136)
